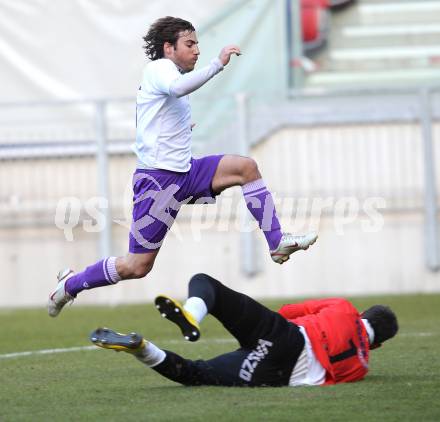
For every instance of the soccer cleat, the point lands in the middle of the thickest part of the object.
(289, 244)
(60, 297)
(173, 310)
(108, 339)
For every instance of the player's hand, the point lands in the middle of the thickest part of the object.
(227, 52)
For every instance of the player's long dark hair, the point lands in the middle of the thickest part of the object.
(164, 30)
(383, 321)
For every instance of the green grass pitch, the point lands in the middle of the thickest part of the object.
(94, 385)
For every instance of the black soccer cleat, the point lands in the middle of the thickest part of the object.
(171, 309)
(109, 339)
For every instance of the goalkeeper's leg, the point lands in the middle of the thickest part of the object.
(246, 319)
(222, 370)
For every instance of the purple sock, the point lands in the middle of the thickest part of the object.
(260, 203)
(103, 273)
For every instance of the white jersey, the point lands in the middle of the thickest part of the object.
(307, 370)
(163, 114)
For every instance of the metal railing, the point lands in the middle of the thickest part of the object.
(35, 136)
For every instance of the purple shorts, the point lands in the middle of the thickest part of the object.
(158, 196)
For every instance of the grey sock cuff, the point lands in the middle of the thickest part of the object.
(109, 266)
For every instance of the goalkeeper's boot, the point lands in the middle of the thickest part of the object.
(171, 309)
(289, 244)
(59, 297)
(108, 339)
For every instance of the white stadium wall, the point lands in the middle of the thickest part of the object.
(353, 256)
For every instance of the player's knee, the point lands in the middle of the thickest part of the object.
(135, 265)
(250, 170)
(199, 277)
(203, 278)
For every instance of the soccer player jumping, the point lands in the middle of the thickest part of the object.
(167, 176)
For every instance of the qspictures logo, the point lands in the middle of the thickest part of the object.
(162, 205)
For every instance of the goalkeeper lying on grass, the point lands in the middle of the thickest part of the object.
(311, 343)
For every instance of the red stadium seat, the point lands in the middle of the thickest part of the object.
(314, 20)
(335, 3)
